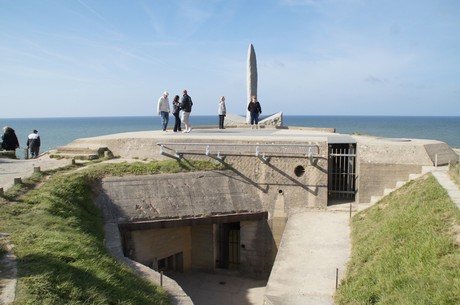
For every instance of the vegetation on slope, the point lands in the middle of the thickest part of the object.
(454, 172)
(58, 236)
(405, 249)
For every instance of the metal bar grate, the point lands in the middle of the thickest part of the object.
(342, 171)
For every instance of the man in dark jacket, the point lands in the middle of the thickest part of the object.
(33, 144)
(9, 139)
(186, 106)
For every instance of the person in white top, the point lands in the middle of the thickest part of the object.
(163, 110)
(33, 144)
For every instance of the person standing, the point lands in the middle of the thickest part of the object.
(33, 144)
(176, 113)
(163, 110)
(186, 105)
(9, 139)
(222, 111)
(254, 109)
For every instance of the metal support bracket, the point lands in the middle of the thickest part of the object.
(262, 157)
(178, 157)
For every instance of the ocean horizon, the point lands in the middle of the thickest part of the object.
(56, 132)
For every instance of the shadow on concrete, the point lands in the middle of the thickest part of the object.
(224, 288)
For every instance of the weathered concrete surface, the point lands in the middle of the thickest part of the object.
(165, 214)
(143, 144)
(382, 163)
(403, 151)
(221, 288)
(181, 195)
(11, 168)
(314, 244)
(374, 178)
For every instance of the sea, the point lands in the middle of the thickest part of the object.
(56, 132)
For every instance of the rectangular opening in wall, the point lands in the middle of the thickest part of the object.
(172, 263)
(341, 173)
(228, 246)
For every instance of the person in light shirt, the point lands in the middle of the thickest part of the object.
(163, 110)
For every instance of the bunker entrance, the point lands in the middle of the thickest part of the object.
(228, 246)
(341, 173)
(203, 244)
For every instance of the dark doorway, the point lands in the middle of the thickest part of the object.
(171, 263)
(341, 173)
(228, 246)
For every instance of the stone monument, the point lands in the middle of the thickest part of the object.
(251, 75)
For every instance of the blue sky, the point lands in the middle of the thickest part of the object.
(67, 58)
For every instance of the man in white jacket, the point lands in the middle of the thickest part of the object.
(163, 109)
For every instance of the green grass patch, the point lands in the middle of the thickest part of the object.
(405, 249)
(454, 172)
(58, 236)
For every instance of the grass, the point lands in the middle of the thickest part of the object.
(58, 236)
(454, 172)
(405, 249)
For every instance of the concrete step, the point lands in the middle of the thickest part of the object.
(374, 199)
(386, 191)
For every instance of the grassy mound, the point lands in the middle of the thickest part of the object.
(405, 249)
(58, 236)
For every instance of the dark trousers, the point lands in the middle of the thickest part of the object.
(177, 122)
(221, 121)
(34, 150)
(254, 118)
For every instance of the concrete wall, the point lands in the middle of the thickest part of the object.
(203, 249)
(374, 178)
(149, 246)
(268, 177)
(199, 249)
(258, 249)
(381, 163)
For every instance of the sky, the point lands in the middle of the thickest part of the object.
(78, 58)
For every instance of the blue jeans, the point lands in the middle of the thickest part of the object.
(254, 118)
(164, 119)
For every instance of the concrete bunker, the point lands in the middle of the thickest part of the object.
(196, 217)
(227, 242)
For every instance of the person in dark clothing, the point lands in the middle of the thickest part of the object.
(254, 109)
(176, 113)
(9, 139)
(33, 144)
(186, 106)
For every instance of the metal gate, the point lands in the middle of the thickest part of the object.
(228, 256)
(342, 171)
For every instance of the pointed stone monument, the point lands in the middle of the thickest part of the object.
(251, 78)
(275, 120)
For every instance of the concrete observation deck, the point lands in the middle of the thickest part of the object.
(310, 236)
